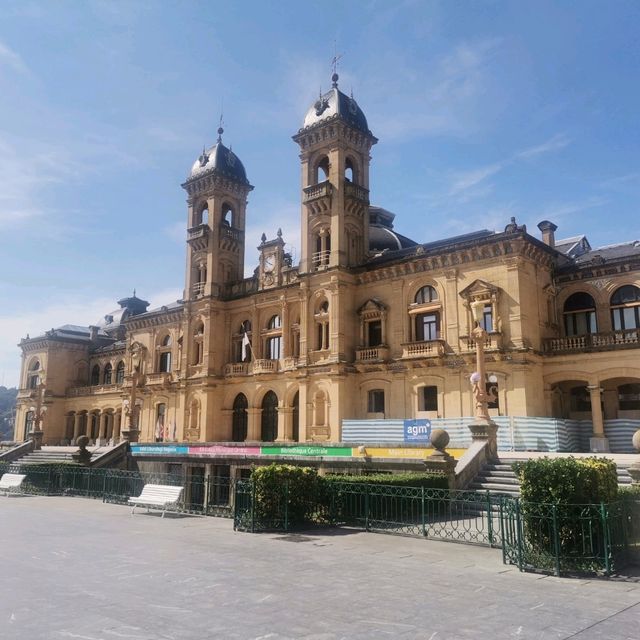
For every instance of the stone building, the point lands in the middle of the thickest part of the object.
(368, 323)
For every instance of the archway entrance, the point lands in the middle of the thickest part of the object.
(239, 423)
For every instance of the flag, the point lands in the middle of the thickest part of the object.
(245, 344)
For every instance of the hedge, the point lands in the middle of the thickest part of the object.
(426, 480)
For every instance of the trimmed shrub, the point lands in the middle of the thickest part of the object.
(286, 496)
(564, 481)
(426, 480)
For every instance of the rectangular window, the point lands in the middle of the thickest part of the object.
(427, 327)
(429, 399)
(376, 401)
(374, 330)
(487, 319)
(273, 348)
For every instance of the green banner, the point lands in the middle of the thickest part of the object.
(306, 451)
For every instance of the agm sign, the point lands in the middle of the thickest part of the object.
(417, 430)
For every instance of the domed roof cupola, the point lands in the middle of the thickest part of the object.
(220, 160)
(335, 104)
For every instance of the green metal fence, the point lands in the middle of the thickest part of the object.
(460, 516)
(201, 495)
(565, 539)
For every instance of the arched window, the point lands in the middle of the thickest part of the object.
(240, 418)
(269, 421)
(198, 343)
(164, 361)
(321, 318)
(349, 171)
(322, 170)
(107, 373)
(273, 345)
(228, 216)
(161, 411)
(202, 215)
(625, 308)
(95, 375)
(579, 314)
(33, 379)
(426, 294)
(120, 372)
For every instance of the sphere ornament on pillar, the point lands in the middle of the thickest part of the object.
(634, 469)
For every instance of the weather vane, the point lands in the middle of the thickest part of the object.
(334, 64)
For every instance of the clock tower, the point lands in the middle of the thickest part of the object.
(271, 261)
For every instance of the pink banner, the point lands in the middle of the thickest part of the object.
(217, 449)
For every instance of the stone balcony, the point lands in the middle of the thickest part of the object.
(493, 342)
(425, 349)
(317, 191)
(356, 192)
(372, 354)
(198, 237)
(237, 369)
(158, 379)
(608, 341)
(94, 390)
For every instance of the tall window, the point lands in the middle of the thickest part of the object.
(374, 333)
(164, 363)
(428, 398)
(107, 373)
(95, 375)
(427, 326)
(242, 343)
(322, 326)
(240, 418)
(120, 372)
(269, 419)
(579, 314)
(274, 338)
(28, 423)
(487, 318)
(625, 308)
(198, 343)
(375, 401)
(161, 411)
(34, 375)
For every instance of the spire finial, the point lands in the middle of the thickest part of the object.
(134, 293)
(334, 64)
(220, 129)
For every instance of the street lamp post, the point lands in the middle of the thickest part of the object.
(131, 407)
(483, 427)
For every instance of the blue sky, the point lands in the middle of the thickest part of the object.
(484, 110)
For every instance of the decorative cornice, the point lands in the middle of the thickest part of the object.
(211, 180)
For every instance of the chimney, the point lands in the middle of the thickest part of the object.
(548, 229)
(93, 333)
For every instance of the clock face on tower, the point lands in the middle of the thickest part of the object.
(269, 263)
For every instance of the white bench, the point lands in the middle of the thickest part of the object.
(11, 482)
(159, 496)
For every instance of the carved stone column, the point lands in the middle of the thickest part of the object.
(253, 424)
(598, 443)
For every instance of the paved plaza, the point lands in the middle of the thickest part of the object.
(79, 569)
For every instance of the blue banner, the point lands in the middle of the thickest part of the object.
(417, 430)
(158, 449)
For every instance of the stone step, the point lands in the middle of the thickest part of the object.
(499, 474)
(495, 487)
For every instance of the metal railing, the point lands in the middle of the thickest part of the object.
(204, 495)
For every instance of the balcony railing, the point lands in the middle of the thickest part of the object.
(628, 338)
(492, 342)
(93, 390)
(316, 191)
(161, 378)
(355, 191)
(198, 237)
(320, 259)
(372, 354)
(237, 369)
(426, 349)
(264, 366)
(198, 289)
(230, 233)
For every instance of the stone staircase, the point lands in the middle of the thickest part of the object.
(498, 477)
(102, 455)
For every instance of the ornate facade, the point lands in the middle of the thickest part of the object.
(368, 324)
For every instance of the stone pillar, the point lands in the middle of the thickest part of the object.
(117, 419)
(103, 417)
(598, 443)
(285, 424)
(253, 424)
(77, 425)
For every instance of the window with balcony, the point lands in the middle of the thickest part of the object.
(374, 333)
(242, 343)
(107, 374)
(164, 360)
(95, 375)
(425, 312)
(427, 326)
(425, 295)
(321, 318)
(321, 172)
(120, 372)
(273, 338)
(198, 344)
(625, 308)
(375, 401)
(33, 377)
(579, 314)
(487, 318)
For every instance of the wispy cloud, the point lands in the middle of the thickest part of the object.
(12, 59)
(559, 141)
